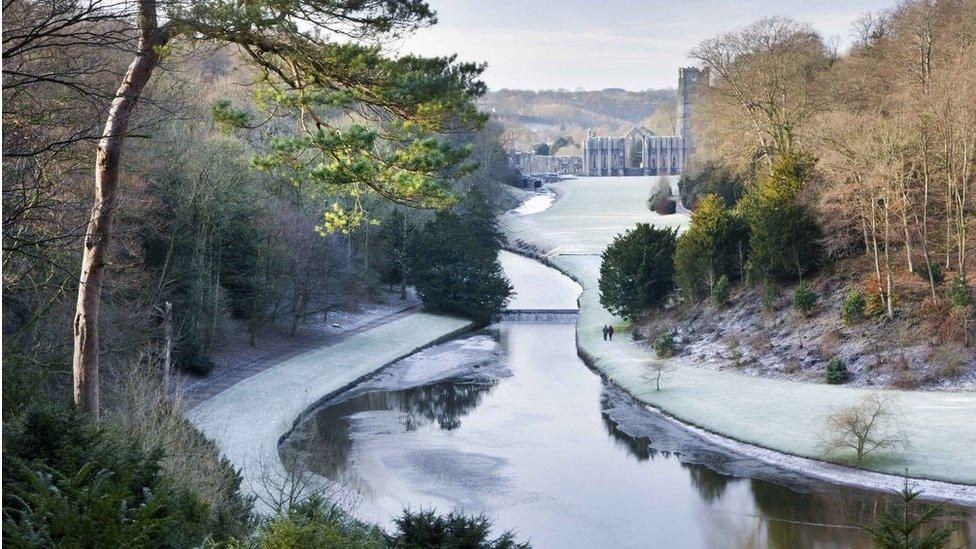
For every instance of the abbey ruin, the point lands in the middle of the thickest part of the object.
(640, 152)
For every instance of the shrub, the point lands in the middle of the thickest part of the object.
(70, 483)
(937, 274)
(783, 235)
(836, 371)
(193, 359)
(958, 292)
(665, 206)
(712, 178)
(852, 311)
(709, 248)
(453, 264)
(637, 271)
(804, 298)
(948, 361)
(664, 345)
(905, 523)
(425, 529)
(721, 291)
(875, 304)
(770, 296)
(902, 374)
(660, 194)
(314, 523)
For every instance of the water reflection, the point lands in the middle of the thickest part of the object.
(326, 441)
(567, 460)
(711, 485)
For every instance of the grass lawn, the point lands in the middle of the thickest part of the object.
(781, 415)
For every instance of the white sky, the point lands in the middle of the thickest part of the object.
(596, 44)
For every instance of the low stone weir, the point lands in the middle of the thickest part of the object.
(537, 315)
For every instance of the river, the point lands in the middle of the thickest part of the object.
(511, 423)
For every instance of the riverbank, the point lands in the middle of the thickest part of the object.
(238, 360)
(775, 420)
(248, 419)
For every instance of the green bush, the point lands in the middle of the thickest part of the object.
(852, 311)
(709, 249)
(783, 233)
(804, 298)
(959, 293)
(453, 264)
(903, 522)
(311, 524)
(637, 271)
(425, 529)
(711, 178)
(664, 345)
(836, 371)
(721, 291)
(771, 293)
(70, 483)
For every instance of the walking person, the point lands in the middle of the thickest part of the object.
(605, 332)
(610, 332)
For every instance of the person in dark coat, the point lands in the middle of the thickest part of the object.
(605, 332)
(610, 332)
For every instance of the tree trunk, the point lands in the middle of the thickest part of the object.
(108, 164)
(908, 239)
(889, 283)
(168, 356)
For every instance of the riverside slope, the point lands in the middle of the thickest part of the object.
(783, 416)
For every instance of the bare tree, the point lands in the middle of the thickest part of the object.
(659, 369)
(766, 74)
(285, 484)
(865, 427)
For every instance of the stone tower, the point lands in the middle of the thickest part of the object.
(690, 82)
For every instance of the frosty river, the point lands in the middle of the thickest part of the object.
(511, 423)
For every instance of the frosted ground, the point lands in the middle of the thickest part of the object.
(248, 419)
(780, 415)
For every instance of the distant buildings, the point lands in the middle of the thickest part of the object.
(640, 152)
(530, 163)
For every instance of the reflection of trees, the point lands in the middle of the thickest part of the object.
(445, 403)
(710, 484)
(324, 440)
(639, 447)
(835, 515)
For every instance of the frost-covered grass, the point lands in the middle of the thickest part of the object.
(594, 210)
(781, 415)
(249, 418)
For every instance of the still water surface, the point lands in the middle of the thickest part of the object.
(513, 424)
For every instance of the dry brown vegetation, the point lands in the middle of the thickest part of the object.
(891, 124)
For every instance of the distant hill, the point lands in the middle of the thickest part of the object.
(531, 117)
